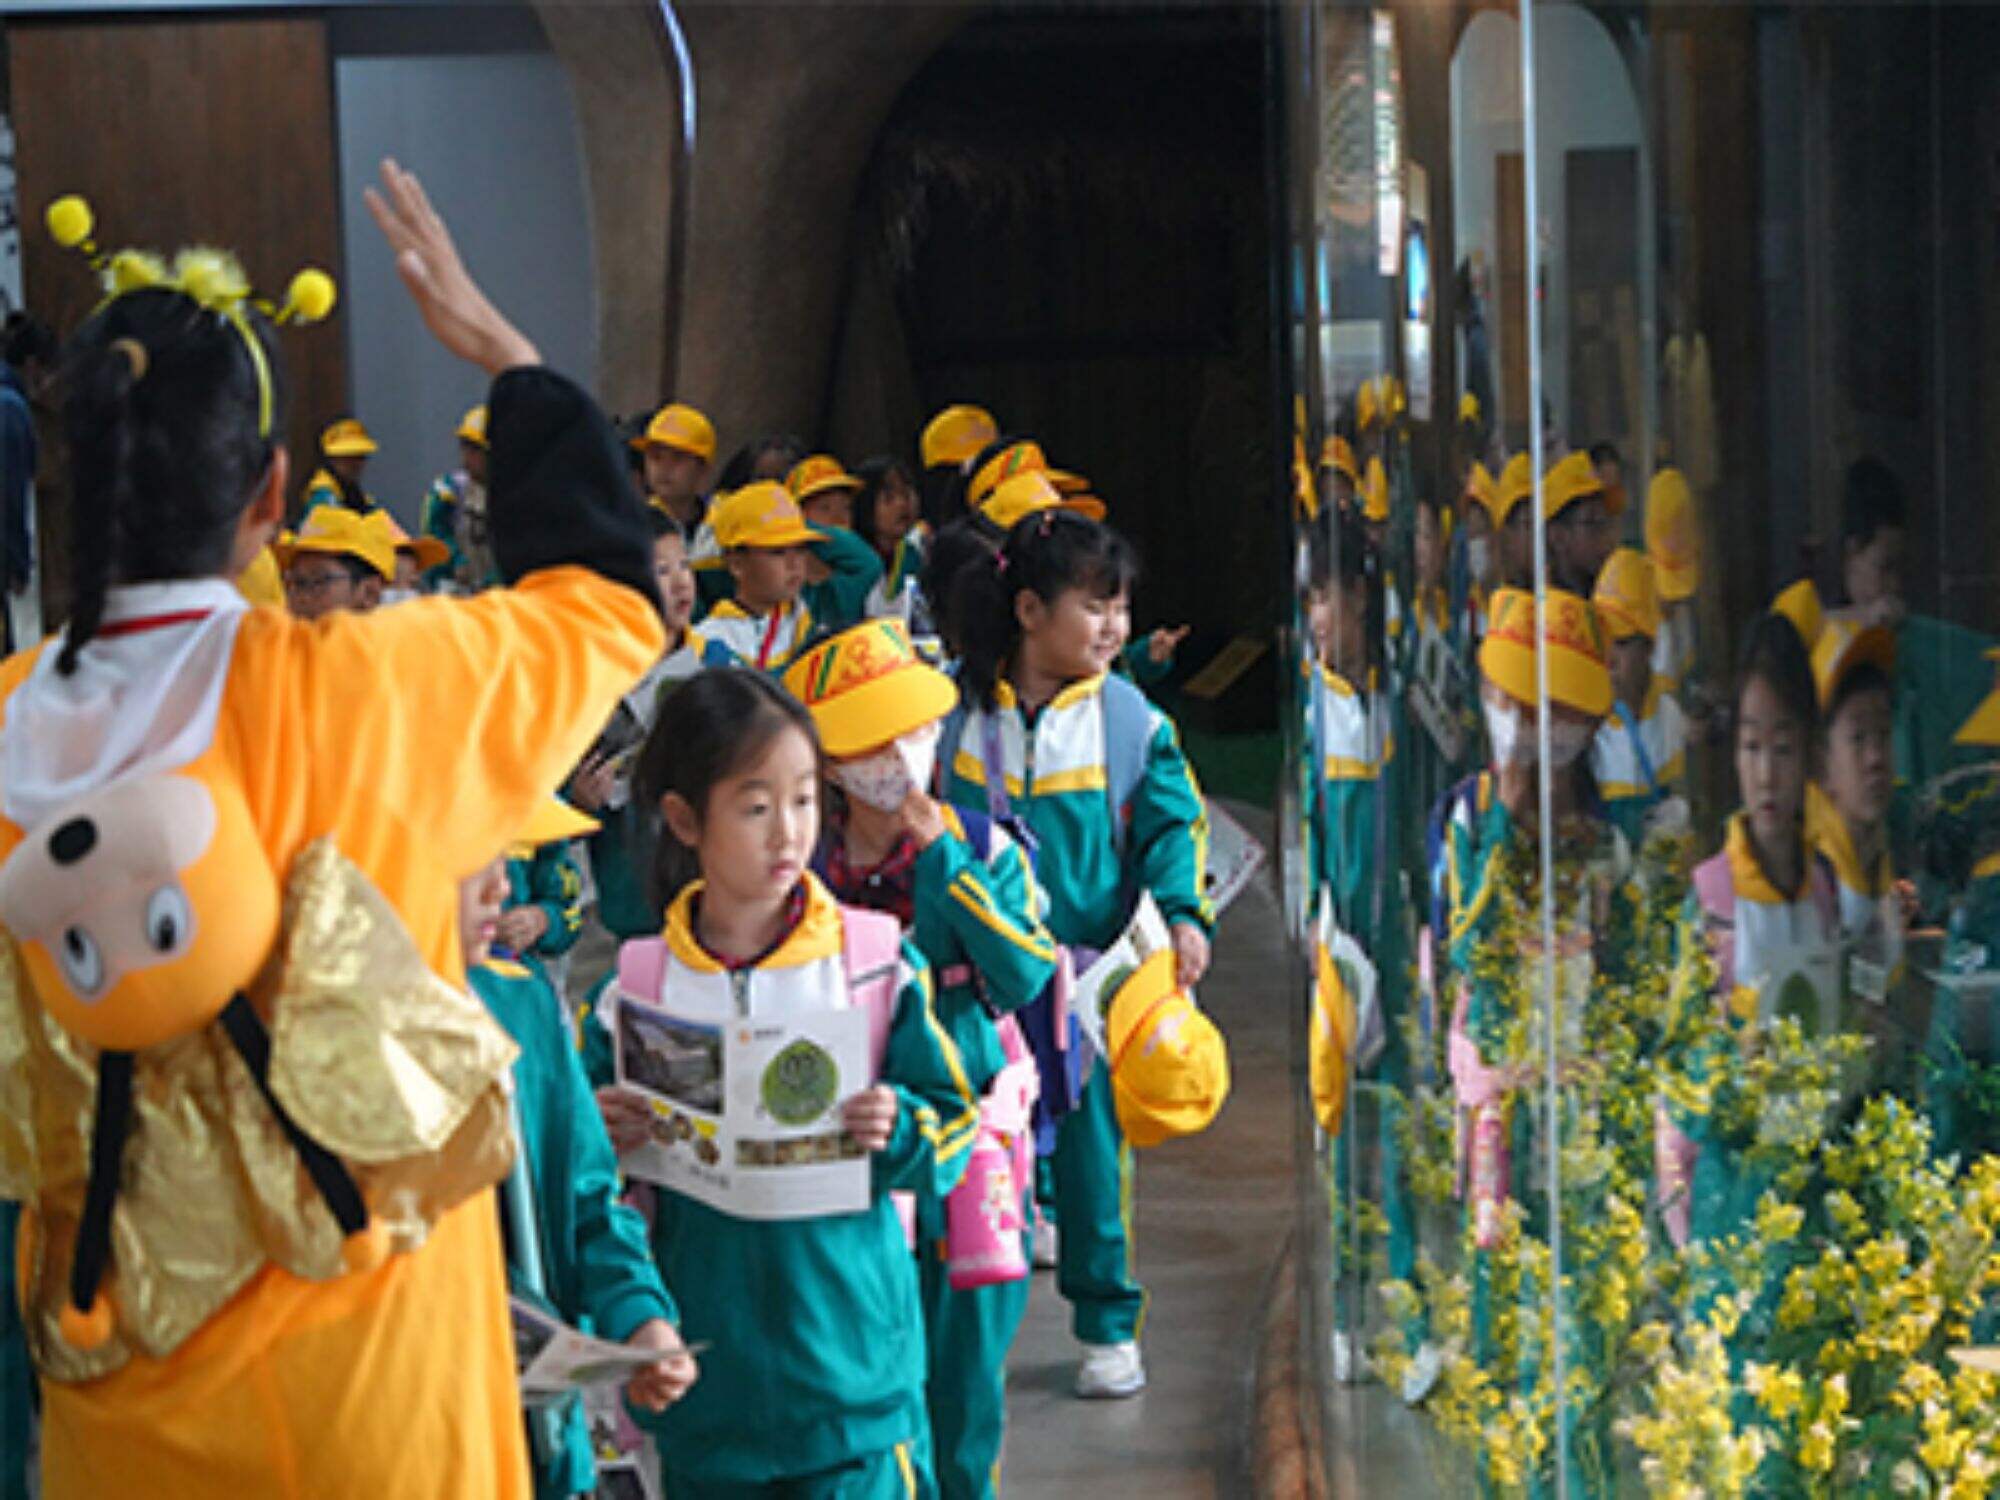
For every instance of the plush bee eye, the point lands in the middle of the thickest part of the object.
(82, 964)
(168, 921)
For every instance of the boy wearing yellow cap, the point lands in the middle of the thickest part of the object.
(1514, 524)
(573, 1248)
(1674, 546)
(340, 560)
(345, 448)
(767, 547)
(676, 449)
(1582, 513)
(966, 895)
(1640, 755)
(454, 514)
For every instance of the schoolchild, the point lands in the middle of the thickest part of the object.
(1673, 544)
(763, 538)
(888, 516)
(965, 893)
(345, 448)
(454, 513)
(1098, 775)
(1514, 524)
(573, 1249)
(1582, 517)
(417, 557)
(675, 452)
(340, 560)
(1640, 755)
(814, 1381)
(949, 441)
(842, 570)
(167, 692)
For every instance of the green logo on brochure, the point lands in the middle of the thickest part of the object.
(800, 1084)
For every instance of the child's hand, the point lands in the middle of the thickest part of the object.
(1190, 954)
(628, 1118)
(521, 927)
(921, 818)
(592, 785)
(453, 307)
(660, 1385)
(870, 1117)
(1162, 644)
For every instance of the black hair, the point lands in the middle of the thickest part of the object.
(875, 475)
(358, 570)
(1338, 552)
(742, 465)
(1045, 554)
(1865, 678)
(27, 338)
(661, 524)
(1775, 654)
(711, 726)
(965, 542)
(164, 448)
(1605, 453)
(1871, 500)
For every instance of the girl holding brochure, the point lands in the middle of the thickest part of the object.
(814, 1381)
(966, 893)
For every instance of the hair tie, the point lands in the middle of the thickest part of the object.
(1048, 520)
(135, 356)
(1000, 563)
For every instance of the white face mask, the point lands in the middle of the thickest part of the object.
(1512, 733)
(1478, 553)
(399, 596)
(885, 779)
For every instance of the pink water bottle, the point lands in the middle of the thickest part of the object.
(984, 1228)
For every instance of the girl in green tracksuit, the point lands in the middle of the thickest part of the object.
(572, 1247)
(1048, 733)
(966, 894)
(813, 1381)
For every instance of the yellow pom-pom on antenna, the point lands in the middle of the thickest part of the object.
(367, 1248)
(132, 271)
(86, 1330)
(309, 298)
(213, 278)
(70, 221)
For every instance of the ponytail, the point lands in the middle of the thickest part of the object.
(1045, 554)
(161, 414)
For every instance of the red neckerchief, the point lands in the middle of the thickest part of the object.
(795, 913)
(770, 637)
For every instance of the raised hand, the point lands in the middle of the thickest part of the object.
(453, 307)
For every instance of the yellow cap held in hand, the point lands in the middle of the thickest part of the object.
(1169, 1064)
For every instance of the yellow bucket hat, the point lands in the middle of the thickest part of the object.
(1800, 604)
(347, 438)
(1842, 646)
(1574, 478)
(339, 532)
(817, 475)
(760, 515)
(1578, 675)
(1337, 454)
(1169, 1063)
(956, 434)
(1375, 492)
(1016, 458)
(428, 550)
(680, 427)
(1626, 598)
(1671, 538)
(261, 582)
(1517, 483)
(553, 821)
(472, 426)
(1983, 728)
(1480, 490)
(867, 686)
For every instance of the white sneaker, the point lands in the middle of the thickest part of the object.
(1110, 1371)
(1042, 1244)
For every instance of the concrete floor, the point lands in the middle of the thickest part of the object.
(1213, 1215)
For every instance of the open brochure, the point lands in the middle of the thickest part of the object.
(1145, 935)
(747, 1112)
(1234, 858)
(553, 1359)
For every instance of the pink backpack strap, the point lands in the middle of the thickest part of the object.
(873, 945)
(642, 965)
(1715, 893)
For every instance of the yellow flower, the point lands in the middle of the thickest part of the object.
(1778, 1392)
(1816, 1448)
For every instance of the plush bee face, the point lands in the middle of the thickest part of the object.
(141, 909)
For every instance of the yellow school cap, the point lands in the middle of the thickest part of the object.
(1844, 645)
(1983, 728)
(428, 550)
(1574, 478)
(1671, 537)
(1517, 483)
(760, 515)
(339, 532)
(1016, 458)
(1030, 492)
(1366, 410)
(262, 582)
(680, 427)
(1468, 408)
(1479, 489)
(1578, 675)
(817, 475)
(1800, 604)
(347, 438)
(956, 434)
(472, 426)
(553, 821)
(1076, 494)
(1169, 1063)
(1375, 492)
(1337, 454)
(1393, 402)
(1626, 598)
(867, 686)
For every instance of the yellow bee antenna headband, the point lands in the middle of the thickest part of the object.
(213, 279)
